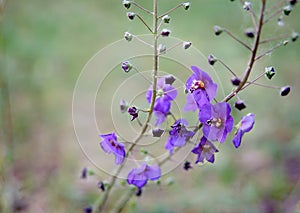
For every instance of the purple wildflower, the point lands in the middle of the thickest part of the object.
(111, 145)
(179, 135)
(201, 86)
(140, 176)
(190, 103)
(245, 125)
(217, 121)
(134, 112)
(205, 150)
(165, 94)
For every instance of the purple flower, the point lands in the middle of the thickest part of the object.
(190, 103)
(140, 176)
(245, 125)
(201, 86)
(217, 121)
(205, 150)
(179, 135)
(111, 145)
(134, 112)
(165, 94)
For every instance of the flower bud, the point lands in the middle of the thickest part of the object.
(186, 5)
(88, 209)
(211, 60)
(166, 19)
(170, 181)
(138, 192)
(285, 42)
(101, 186)
(126, 4)
(165, 32)
(287, 10)
(218, 30)
(131, 15)
(284, 91)
(170, 79)
(144, 151)
(84, 173)
(123, 105)
(293, 2)
(240, 105)
(128, 36)
(270, 72)
(162, 48)
(250, 32)
(295, 36)
(280, 22)
(126, 66)
(187, 44)
(235, 81)
(157, 132)
(247, 5)
(134, 112)
(187, 165)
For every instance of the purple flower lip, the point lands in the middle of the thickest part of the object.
(205, 150)
(110, 145)
(217, 121)
(245, 125)
(140, 176)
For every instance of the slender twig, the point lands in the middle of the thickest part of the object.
(142, 41)
(253, 81)
(100, 203)
(134, 68)
(286, 35)
(171, 10)
(142, 8)
(265, 85)
(160, 24)
(171, 48)
(228, 68)
(252, 57)
(273, 15)
(237, 39)
(142, 20)
(123, 201)
(269, 51)
(276, 6)
(253, 18)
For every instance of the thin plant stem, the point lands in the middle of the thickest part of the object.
(237, 39)
(142, 8)
(273, 15)
(171, 10)
(101, 202)
(283, 36)
(143, 21)
(228, 68)
(142, 41)
(252, 14)
(269, 51)
(253, 55)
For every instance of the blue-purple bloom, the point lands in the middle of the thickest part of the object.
(140, 176)
(190, 103)
(134, 112)
(245, 125)
(179, 135)
(201, 86)
(165, 94)
(110, 145)
(205, 150)
(217, 121)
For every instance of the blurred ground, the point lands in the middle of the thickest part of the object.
(47, 43)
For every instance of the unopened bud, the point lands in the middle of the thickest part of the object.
(293, 2)
(218, 30)
(126, 66)
(285, 42)
(240, 105)
(284, 91)
(165, 32)
(170, 181)
(162, 48)
(250, 32)
(101, 186)
(138, 192)
(88, 209)
(295, 36)
(270, 72)
(170, 79)
(187, 44)
(247, 5)
(235, 81)
(128, 36)
(134, 112)
(166, 19)
(144, 151)
(126, 4)
(187, 165)
(186, 5)
(131, 15)
(123, 106)
(280, 22)
(287, 10)
(157, 132)
(211, 60)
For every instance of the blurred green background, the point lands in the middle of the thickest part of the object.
(44, 47)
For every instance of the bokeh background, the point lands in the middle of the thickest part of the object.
(45, 45)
